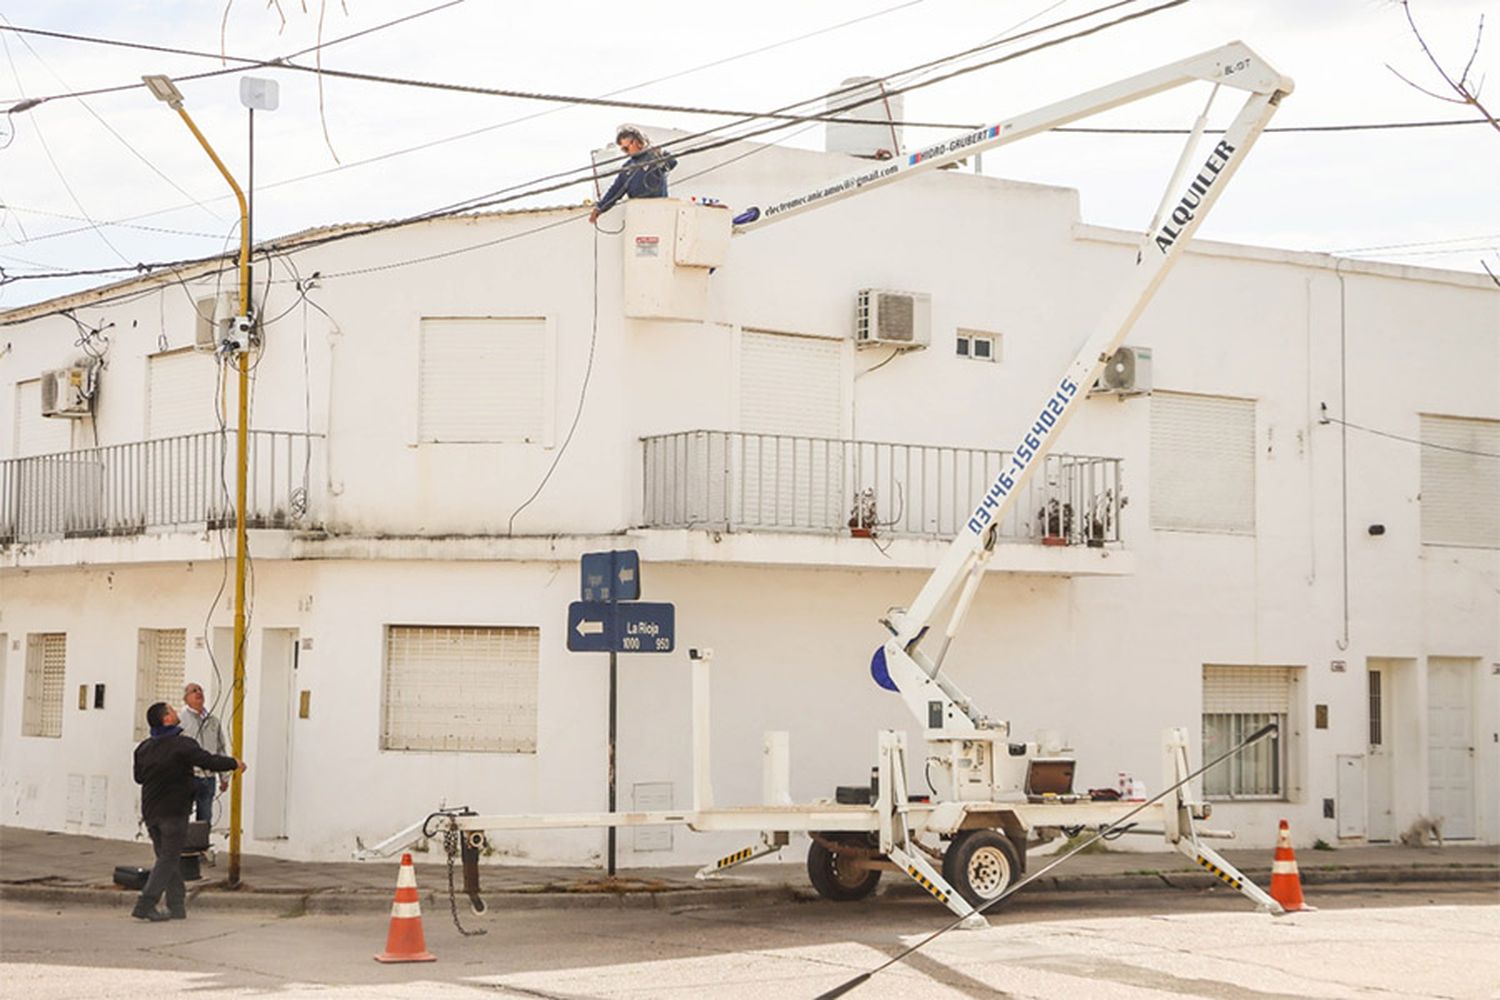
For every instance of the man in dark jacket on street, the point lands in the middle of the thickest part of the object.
(164, 765)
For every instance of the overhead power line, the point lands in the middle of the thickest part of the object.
(568, 178)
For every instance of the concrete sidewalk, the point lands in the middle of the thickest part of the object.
(45, 867)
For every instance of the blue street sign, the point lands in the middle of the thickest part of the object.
(610, 576)
(641, 627)
(607, 627)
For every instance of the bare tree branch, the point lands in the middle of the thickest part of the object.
(1466, 95)
(1418, 86)
(1478, 35)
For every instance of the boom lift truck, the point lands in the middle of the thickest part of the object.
(982, 816)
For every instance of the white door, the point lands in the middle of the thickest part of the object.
(273, 744)
(1450, 746)
(1381, 826)
(1351, 795)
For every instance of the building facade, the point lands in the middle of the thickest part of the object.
(1300, 520)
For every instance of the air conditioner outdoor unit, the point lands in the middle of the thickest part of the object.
(215, 314)
(63, 393)
(894, 319)
(1127, 373)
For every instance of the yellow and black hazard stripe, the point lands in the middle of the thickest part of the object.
(938, 894)
(1218, 872)
(735, 858)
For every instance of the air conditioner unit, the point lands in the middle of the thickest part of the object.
(215, 314)
(894, 319)
(64, 393)
(1127, 373)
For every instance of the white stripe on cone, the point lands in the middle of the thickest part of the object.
(406, 911)
(1283, 868)
(406, 878)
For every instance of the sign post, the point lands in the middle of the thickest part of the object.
(611, 619)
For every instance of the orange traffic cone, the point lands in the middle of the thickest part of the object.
(405, 943)
(1286, 883)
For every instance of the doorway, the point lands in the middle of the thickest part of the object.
(1450, 744)
(273, 744)
(1379, 766)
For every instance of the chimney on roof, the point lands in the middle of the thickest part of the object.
(863, 99)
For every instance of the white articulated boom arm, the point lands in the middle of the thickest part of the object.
(935, 701)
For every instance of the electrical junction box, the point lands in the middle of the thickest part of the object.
(669, 247)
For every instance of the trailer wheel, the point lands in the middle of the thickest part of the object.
(980, 864)
(842, 885)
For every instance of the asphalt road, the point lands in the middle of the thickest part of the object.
(1391, 943)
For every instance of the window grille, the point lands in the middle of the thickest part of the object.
(1238, 700)
(161, 661)
(460, 688)
(46, 660)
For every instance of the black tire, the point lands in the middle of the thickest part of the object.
(981, 864)
(824, 872)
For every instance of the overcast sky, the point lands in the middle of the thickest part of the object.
(126, 157)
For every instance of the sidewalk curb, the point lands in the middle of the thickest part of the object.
(333, 902)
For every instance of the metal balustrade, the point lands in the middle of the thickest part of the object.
(732, 481)
(176, 482)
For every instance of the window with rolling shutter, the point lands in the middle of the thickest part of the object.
(1460, 481)
(1202, 463)
(791, 411)
(485, 380)
(35, 434)
(184, 395)
(46, 662)
(1237, 701)
(460, 688)
(161, 660)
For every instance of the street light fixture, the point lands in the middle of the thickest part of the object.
(165, 90)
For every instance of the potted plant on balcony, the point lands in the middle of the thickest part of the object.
(1057, 522)
(862, 516)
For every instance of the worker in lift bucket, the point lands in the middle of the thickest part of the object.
(644, 174)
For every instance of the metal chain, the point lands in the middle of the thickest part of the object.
(451, 844)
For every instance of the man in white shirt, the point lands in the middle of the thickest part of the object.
(198, 723)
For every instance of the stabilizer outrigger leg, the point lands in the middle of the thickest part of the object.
(892, 805)
(771, 841)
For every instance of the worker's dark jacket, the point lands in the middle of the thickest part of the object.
(164, 770)
(644, 175)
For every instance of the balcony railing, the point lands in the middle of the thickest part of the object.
(775, 482)
(175, 482)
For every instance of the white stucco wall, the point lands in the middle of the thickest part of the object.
(1104, 646)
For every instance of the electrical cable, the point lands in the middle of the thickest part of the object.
(462, 207)
(1326, 419)
(111, 130)
(513, 193)
(47, 149)
(583, 395)
(523, 118)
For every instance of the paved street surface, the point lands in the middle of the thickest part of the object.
(1413, 941)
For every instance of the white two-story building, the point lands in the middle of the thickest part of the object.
(1300, 520)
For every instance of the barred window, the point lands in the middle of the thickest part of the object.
(46, 659)
(161, 656)
(460, 688)
(1238, 700)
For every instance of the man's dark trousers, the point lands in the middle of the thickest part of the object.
(203, 798)
(168, 835)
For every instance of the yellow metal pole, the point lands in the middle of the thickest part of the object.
(237, 723)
